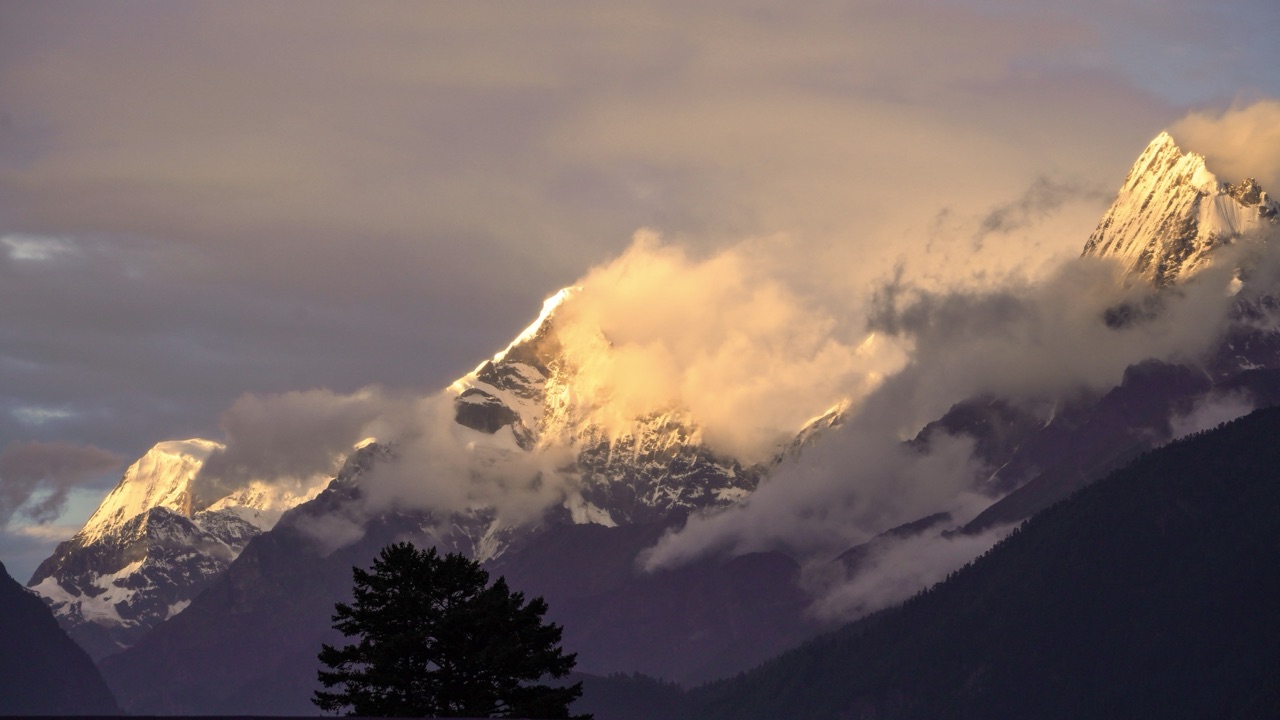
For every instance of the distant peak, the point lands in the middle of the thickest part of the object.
(1165, 145)
(1172, 212)
(160, 478)
(1162, 155)
(528, 335)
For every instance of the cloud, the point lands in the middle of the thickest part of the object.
(1044, 197)
(1027, 342)
(716, 337)
(333, 530)
(31, 248)
(895, 570)
(192, 217)
(722, 339)
(35, 477)
(446, 468)
(719, 337)
(1046, 338)
(293, 436)
(1240, 142)
(860, 480)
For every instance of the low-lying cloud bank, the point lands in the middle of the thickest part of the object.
(893, 572)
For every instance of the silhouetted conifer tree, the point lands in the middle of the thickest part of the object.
(434, 639)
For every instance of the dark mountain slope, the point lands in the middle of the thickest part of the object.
(1089, 440)
(701, 621)
(42, 672)
(1152, 593)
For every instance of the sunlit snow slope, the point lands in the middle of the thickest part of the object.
(1172, 213)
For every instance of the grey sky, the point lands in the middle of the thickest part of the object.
(199, 200)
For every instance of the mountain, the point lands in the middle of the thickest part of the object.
(703, 620)
(151, 546)
(610, 489)
(42, 672)
(623, 489)
(1171, 220)
(1089, 439)
(1172, 214)
(1148, 594)
(658, 469)
(247, 644)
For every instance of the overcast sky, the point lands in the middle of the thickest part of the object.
(200, 200)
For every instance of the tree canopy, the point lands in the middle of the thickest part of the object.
(435, 639)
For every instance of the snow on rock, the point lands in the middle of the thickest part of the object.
(108, 593)
(261, 503)
(813, 431)
(658, 468)
(1172, 213)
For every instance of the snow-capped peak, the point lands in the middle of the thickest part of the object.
(1172, 212)
(549, 306)
(154, 543)
(500, 404)
(160, 478)
(163, 478)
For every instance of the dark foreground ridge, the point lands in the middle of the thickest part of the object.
(1150, 594)
(42, 671)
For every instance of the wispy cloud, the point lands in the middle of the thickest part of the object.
(35, 247)
(36, 477)
(1240, 142)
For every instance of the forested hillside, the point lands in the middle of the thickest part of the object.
(1152, 593)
